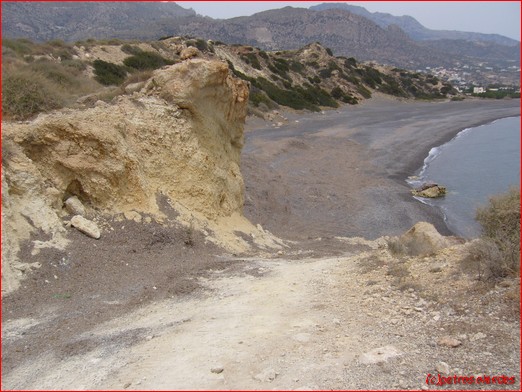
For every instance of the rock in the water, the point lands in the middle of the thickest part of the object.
(378, 355)
(86, 226)
(448, 341)
(74, 206)
(430, 191)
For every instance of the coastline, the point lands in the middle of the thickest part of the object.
(344, 172)
(476, 164)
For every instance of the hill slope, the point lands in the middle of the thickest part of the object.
(352, 32)
(308, 78)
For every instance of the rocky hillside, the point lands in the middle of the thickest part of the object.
(74, 21)
(349, 31)
(309, 78)
(416, 30)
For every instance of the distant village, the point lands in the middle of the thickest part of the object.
(480, 78)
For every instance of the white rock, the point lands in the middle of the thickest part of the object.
(448, 341)
(267, 375)
(217, 369)
(442, 367)
(132, 215)
(378, 355)
(74, 206)
(86, 226)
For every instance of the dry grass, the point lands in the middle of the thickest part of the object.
(496, 255)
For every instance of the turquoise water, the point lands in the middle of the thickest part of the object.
(477, 164)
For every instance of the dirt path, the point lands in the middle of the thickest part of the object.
(294, 325)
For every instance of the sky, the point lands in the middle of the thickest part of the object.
(499, 17)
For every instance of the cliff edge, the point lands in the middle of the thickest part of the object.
(178, 138)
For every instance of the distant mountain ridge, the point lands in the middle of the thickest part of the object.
(74, 21)
(344, 30)
(413, 28)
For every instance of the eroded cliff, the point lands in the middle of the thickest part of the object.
(180, 136)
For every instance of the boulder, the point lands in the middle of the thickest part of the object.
(189, 52)
(74, 206)
(429, 191)
(423, 239)
(86, 226)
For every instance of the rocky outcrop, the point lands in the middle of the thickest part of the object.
(429, 191)
(180, 136)
(422, 239)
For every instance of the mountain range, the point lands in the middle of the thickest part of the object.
(348, 30)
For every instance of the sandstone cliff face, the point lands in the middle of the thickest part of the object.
(180, 136)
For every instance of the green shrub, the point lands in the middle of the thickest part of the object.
(316, 96)
(146, 60)
(350, 63)
(296, 66)
(337, 93)
(498, 250)
(364, 91)
(109, 73)
(26, 93)
(251, 58)
(325, 73)
(372, 77)
(202, 45)
(19, 46)
(290, 98)
(131, 49)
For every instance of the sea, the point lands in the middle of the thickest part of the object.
(476, 164)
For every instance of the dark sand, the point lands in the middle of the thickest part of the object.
(343, 173)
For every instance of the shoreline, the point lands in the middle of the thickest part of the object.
(344, 172)
(449, 138)
(494, 178)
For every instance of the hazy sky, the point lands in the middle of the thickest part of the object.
(500, 17)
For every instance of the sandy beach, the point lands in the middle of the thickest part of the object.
(343, 172)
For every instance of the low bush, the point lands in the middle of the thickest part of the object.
(109, 73)
(146, 60)
(497, 252)
(131, 49)
(26, 93)
(251, 58)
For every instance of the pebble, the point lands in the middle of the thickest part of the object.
(477, 336)
(379, 355)
(448, 341)
(442, 367)
(267, 375)
(217, 369)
